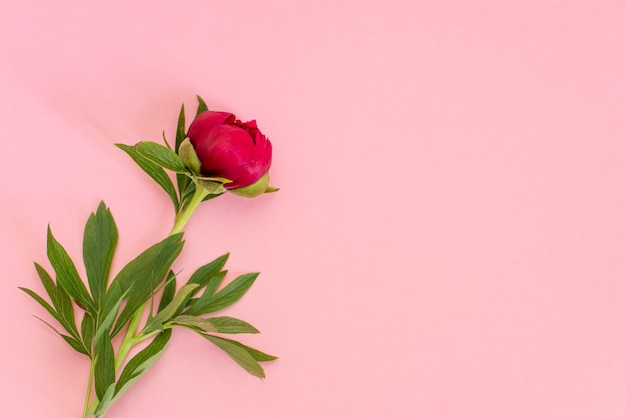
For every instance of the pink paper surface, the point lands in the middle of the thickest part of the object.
(449, 239)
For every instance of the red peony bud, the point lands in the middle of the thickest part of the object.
(229, 148)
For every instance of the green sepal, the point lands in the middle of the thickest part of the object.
(190, 190)
(230, 294)
(218, 324)
(189, 157)
(212, 187)
(153, 170)
(99, 242)
(67, 275)
(162, 156)
(202, 107)
(211, 196)
(255, 189)
(223, 180)
(104, 365)
(141, 362)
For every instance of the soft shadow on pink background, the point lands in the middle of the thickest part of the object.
(450, 235)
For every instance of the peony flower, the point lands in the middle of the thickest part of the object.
(229, 148)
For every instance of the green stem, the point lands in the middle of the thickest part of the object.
(89, 385)
(132, 337)
(183, 216)
(129, 340)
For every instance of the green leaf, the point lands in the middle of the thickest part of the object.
(185, 186)
(202, 107)
(214, 283)
(219, 324)
(60, 300)
(86, 330)
(104, 403)
(74, 343)
(168, 291)
(207, 296)
(56, 316)
(167, 144)
(142, 362)
(237, 353)
(142, 275)
(172, 309)
(162, 156)
(109, 311)
(153, 170)
(66, 273)
(104, 367)
(203, 275)
(180, 128)
(42, 302)
(229, 325)
(195, 323)
(230, 294)
(183, 181)
(99, 242)
(256, 354)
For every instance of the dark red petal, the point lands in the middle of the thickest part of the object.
(228, 151)
(204, 121)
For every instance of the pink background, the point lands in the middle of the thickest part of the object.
(450, 235)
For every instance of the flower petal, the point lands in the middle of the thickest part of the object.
(230, 148)
(207, 120)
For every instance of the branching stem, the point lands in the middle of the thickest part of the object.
(183, 216)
